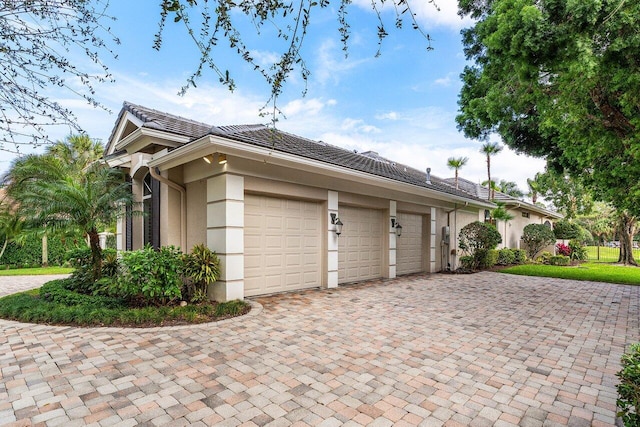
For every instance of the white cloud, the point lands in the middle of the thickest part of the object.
(429, 13)
(445, 81)
(331, 63)
(391, 115)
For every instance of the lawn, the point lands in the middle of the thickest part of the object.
(607, 254)
(36, 271)
(592, 271)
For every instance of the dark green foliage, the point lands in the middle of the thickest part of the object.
(110, 263)
(478, 239)
(578, 252)
(559, 260)
(544, 257)
(506, 256)
(28, 252)
(536, 237)
(478, 235)
(58, 291)
(466, 262)
(519, 256)
(566, 230)
(150, 277)
(201, 268)
(628, 401)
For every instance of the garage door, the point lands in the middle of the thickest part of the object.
(360, 244)
(409, 253)
(282, 244)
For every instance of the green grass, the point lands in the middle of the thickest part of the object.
(592, 271)
(607, 254)
(36, 271)
(53, 304)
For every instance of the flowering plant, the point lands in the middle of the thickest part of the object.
(563, 249)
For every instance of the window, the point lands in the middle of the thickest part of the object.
(525, 214)
(151, 209)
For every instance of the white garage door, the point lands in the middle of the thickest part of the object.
(360, 244)
(282, 244)
(409, 253)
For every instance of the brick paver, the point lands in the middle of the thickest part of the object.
(482, 349)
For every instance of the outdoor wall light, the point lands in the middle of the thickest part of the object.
(208, 159)
(396, 225)
(336, 221)
(222, 159)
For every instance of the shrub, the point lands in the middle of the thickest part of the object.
(563, 249)
(150, 277)
(506, 257)
(564, 229)
(578, 252)
(201, 268)
(478, 235)
(536, 237)
(544, 257)
(629, 388)
(519, 256)
(81, 279)
(57, 291)
(466, 262)
(559, 260)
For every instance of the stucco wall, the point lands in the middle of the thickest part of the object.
(196, 213)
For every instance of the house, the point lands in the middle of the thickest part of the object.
(524, 213)
(271, 204)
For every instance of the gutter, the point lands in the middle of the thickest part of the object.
(183, 204)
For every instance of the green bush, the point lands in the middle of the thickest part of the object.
(536, 237)
(519, 256)
(29, 251)
(628, 401)
(477, 240)
(57, 291)
(578, 252)
(506, 257)
(544, 257)
(559, 260)
(566, 230)
(149, 276)
(466, 262)
(201, 268)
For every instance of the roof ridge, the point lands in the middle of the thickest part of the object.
(140, 111)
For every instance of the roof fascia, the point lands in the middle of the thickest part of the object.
(143, 137)
(215, 143)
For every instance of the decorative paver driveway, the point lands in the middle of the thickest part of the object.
(479, 350)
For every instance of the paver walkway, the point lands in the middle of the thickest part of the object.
(477, 350)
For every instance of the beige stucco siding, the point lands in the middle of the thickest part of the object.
(171, 211)
(196, 213)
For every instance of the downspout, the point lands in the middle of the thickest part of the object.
(183, 205)
(505, 228)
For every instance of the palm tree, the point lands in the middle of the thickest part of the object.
(490, 149)
(534, 189)
(455, 164)
(493, 187)
(500, 213)
(46, 191)
(510, 188)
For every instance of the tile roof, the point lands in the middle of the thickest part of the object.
(482, 192)
(263, 136)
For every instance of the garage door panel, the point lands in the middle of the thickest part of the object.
(360, 245)
(409, 248)
(282, 245)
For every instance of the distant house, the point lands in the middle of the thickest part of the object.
(524, 213)
(271, 204)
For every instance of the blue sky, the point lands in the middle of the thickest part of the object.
(402, 104)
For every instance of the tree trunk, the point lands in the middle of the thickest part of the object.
(96, 253)
(456, 178)
(627, 229)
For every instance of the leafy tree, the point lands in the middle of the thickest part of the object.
(209, 24)
(566, 230)
(626, 228)
(568, 194)
(456, 163)
(11, 226)
(558, 79)
(479, 239)
(600, 222)
(536, 237)
(490, 149)
(41, 45)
